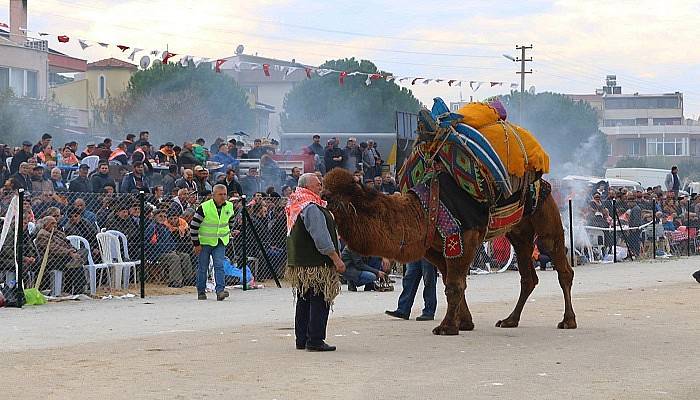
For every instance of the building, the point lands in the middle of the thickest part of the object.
(102, 79)
(265, 93)
(643, 125)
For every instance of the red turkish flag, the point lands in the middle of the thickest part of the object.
(122, 47)
(218, 64)
(341, 78)
(167, 56)
(63, 39)
(266, 69)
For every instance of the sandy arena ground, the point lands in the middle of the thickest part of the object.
(638, 338)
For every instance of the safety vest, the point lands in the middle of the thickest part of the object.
(215, 226)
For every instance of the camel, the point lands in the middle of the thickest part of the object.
(397, 227)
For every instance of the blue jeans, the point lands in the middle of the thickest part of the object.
(365, 278)
(410, 283)
(217, 254)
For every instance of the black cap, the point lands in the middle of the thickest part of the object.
(26, 143)
(171, 144)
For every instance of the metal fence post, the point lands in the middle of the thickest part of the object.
(142, 241)
(687, 224)
(614, 215)
(653, 224)
(244, 220)
(19, 223)
(571, 232)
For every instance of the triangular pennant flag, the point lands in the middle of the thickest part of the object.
(390, 78)
(218, 64)
(478, 85)
(308, 72)
(63, 39)
(237, 67)
(426, 81)
(495, 84)
(123, 48)
(404, 78)
(290, 71)
(439, 80)
(167, 55)
(185, 61)
(4, 25)
(513, 85)
(341, 78)
(323, 71)
(254, 66)
(266, 69)
(133, 53)
(413, 82)
(83, 44)
(103, 44)
(451, 81)
(43, 34)
(459, 83)
(372, 77)
(199, 61)
(155, 52)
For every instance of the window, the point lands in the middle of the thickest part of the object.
(4, 79)
(642, 102)
(101, 87)
(17, 81)
(667, 147)
(667, 121)
(633, 147)
(619, 122)
(32, 88)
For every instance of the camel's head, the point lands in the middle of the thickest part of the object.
(344, 194)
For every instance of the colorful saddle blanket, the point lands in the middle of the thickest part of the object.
(448, 226)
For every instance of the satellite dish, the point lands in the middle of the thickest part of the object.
(239, 49)
(145, 62)
(531, 90)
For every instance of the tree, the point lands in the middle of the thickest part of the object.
(27, 119)
(321, 104)
(179, 103)
(567, 129)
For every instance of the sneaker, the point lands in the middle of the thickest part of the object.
(220, 296)
(396, 314)
(201, 296)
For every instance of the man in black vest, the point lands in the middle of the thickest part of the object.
(313, 262)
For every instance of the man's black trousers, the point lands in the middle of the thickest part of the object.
(311, 318)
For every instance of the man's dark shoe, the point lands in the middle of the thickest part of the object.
(370, 287)
(201, 296)
(352, 287)
(301, 346)
(323, 346)
(396, 314)
(221, 295)
(425, 318)
(696, 275)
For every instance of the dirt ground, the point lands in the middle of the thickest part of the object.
(632, 343)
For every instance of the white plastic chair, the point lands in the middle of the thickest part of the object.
(111, 255)
(126, 258)
(91, 268)
(91, 162)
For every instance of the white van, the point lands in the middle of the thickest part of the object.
(647, 177)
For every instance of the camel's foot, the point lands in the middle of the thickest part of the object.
(569, 323)
(465, 325)
(509, 322)
(444, 330)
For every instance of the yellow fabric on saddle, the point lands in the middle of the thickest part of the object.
(503, 136)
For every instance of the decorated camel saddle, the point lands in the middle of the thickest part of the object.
(495, 166)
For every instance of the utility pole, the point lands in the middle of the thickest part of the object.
(522, 60)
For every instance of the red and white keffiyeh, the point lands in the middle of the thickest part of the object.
(300, 198)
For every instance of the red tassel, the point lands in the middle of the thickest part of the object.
(167, 56)
(341, 78)
(218, 64)
(122, 47)
(63, 39)
(308, 72)
(266, 69)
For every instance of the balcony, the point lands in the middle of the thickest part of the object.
(37, 44)
(655, 130)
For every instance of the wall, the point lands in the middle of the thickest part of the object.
(29, 59)
(117, 80)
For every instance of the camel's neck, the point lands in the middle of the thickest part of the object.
(393, 227)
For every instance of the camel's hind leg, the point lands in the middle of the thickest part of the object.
(547, 224)
(455, 280)
(465, 317)
(522, 237)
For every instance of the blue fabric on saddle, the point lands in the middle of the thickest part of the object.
(463, 152)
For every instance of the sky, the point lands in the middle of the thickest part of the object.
(650, 45)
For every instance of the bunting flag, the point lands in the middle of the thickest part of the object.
(323, 71)
(451, 81)
(83, 44)
(167, 55)
(218, 64)
(390, 78)
(266, 69)
(495, 84)
(341, 77)
(133, 53)
(308, 72)
(63, 39)
(43, 34)
(105, 45)
(478, 85)
(155, 52)
(372, 77)
(4, 25)
(185, 61)
(426, 81)
(122, 47)
(413, 82)
(290, 71)
(200, 60)
(513, 85)
(403, 79)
